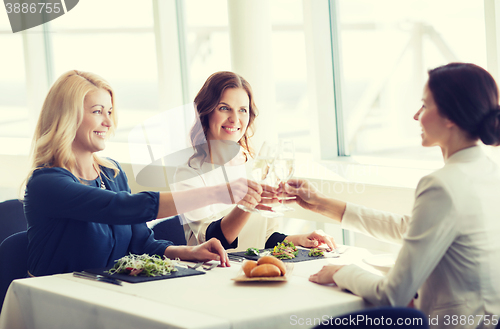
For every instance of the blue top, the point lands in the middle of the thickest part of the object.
(73, 226)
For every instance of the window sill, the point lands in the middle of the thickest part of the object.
(349, 170)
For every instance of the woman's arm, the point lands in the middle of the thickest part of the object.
(207, 251)
(243, 191)
(431, 231)
(308, 197)
(233, 223)
(312, 240)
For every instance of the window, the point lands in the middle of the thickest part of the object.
(290, 73)
(116, 40)
(207, 40)
(13, 100)
(386, 47)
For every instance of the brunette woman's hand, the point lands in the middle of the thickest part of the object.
(306, 195)
(325, 275)
(313, 240)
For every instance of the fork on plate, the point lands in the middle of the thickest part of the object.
(208, 267)
(195, 266)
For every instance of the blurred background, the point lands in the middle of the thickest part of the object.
(342, 78)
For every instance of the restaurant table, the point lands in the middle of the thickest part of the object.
(211, 300)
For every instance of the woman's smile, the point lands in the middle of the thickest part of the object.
(229, 120)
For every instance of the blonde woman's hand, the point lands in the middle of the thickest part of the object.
(211, 250)
(207, 251)
(245, 192)
(269, 197)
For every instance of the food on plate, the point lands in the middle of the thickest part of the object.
(265, 270)
(252, 252)
(273, 261)
(143, 265)
(248, 266)
(316, 252)
(267, 266)
(285, 250)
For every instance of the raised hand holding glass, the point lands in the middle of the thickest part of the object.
(284, 166)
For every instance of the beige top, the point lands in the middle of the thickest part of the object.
(256, 231)
(450, 245)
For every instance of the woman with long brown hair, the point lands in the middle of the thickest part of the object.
(222, 150)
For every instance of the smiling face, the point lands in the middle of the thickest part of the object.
(96, 122)
(435, 127)
(229, 120)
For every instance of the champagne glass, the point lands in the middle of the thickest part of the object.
(284, 166)
(261, 168)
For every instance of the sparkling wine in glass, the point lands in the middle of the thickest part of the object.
(261, 168)
(284, 166)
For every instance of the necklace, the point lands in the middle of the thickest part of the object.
(102, 182)
(100, 178)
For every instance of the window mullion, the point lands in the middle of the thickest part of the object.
(342, 147)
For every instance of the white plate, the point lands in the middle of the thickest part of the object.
(384, 261)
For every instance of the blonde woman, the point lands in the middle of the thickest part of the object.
(79, 208)
(221, 139)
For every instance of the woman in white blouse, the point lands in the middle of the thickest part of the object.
(450, 249)
(221, 139)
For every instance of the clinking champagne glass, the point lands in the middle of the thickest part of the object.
(261, 168)
(284, 166)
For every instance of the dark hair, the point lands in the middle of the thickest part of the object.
(468, 95)
(207, 100)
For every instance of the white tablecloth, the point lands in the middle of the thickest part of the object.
(211, 300)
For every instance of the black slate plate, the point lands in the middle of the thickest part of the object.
(302, 256)
(181, 272)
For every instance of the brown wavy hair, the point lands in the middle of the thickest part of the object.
(468, 95)
(207, 100)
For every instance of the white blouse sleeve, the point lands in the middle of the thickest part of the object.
(426, 237)
(381, 225)
(197, 221)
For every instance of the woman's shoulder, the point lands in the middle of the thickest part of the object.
(187, 176)
(189, 169)
(49, 177)
(435, 179)
(451, 180)
(110, 170)
(48, 172)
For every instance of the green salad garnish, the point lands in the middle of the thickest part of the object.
(285, 250)
(252, 252)
(316, 252)
(143, 265)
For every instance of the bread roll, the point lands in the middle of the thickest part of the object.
(265, 270)
(248, 266)
(273, 260)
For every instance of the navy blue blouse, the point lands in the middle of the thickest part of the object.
(73, 226)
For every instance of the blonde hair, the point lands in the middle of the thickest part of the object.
(60, 118)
